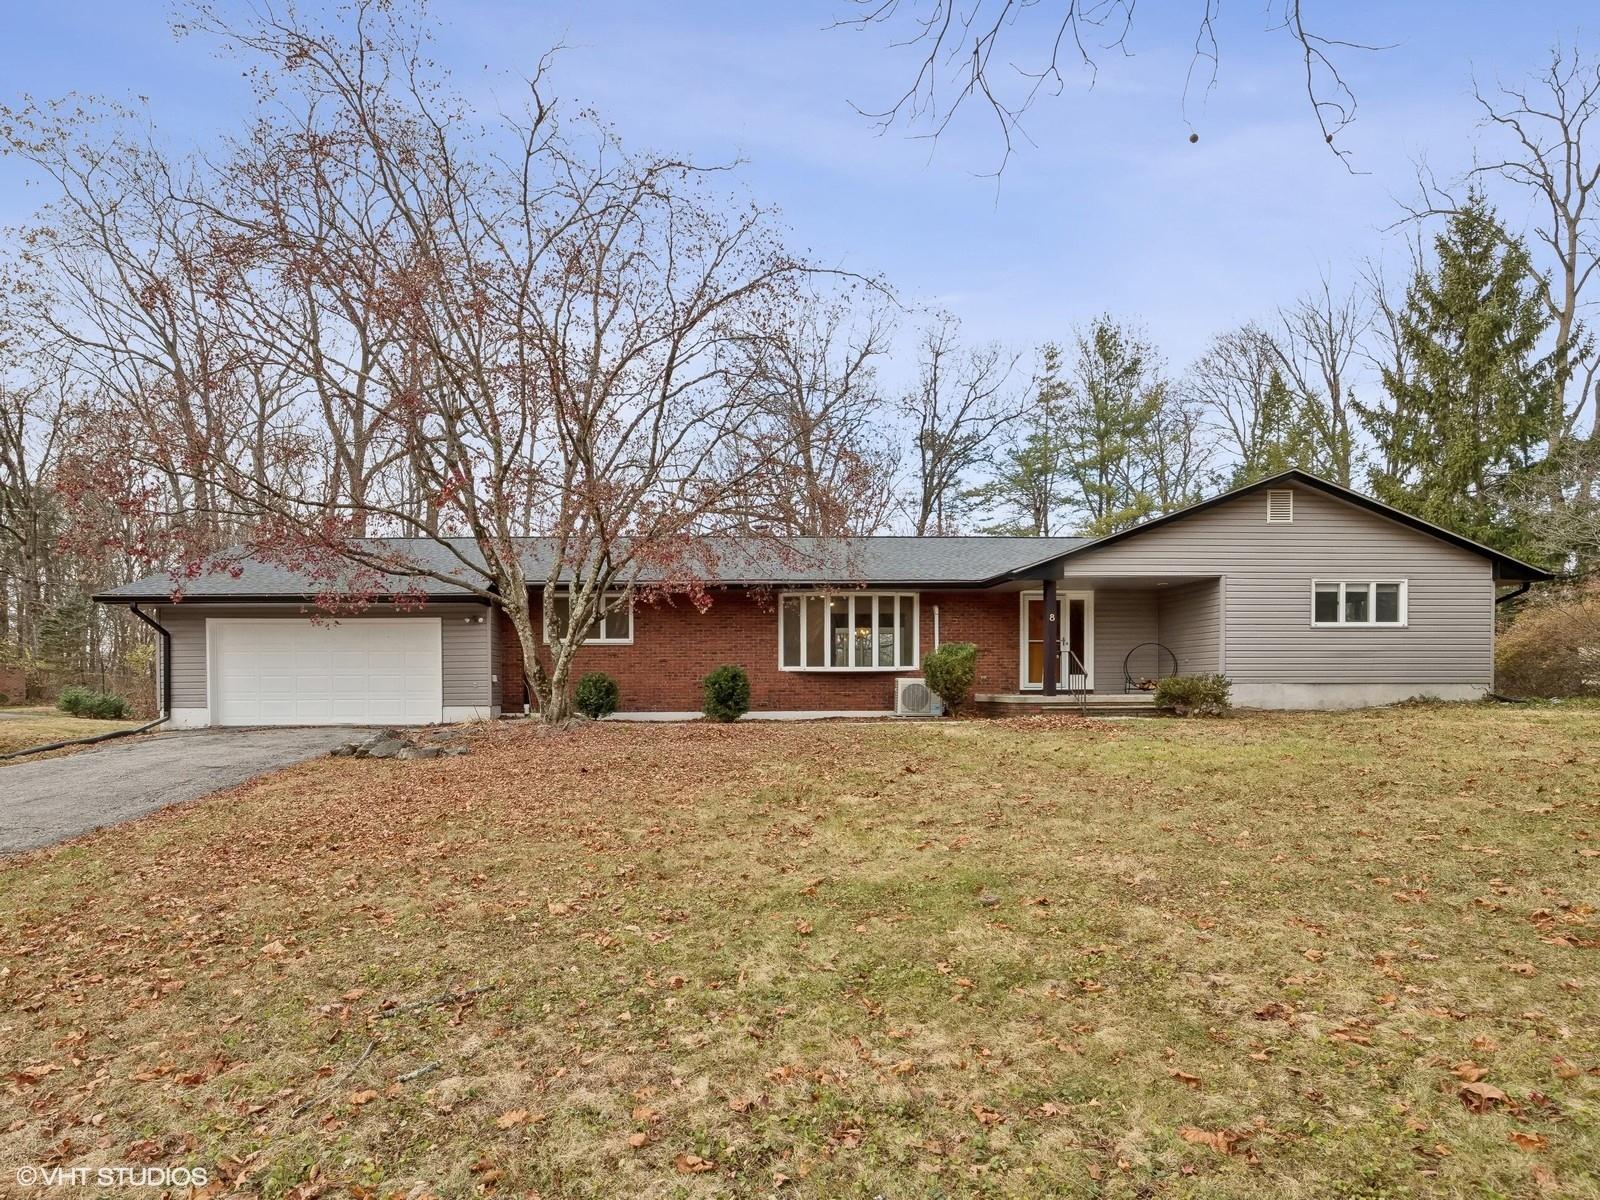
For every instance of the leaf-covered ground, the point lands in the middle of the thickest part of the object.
(1274, 956)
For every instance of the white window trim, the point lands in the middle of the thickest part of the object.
(1372, 604)
(827, 642)
(600, 623)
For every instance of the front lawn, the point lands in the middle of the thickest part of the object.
(1273, 956)
(38, 726)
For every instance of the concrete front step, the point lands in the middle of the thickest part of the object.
(1012, 704)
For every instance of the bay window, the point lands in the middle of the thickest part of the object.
(855, 631)
(1364, 602)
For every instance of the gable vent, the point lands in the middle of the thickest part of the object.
(1280, 506)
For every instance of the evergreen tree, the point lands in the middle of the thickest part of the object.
(1025, 489)
(1468, 414)
(1286, 435)
(1118, 396)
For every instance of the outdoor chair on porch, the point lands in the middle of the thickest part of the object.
(1157, 657)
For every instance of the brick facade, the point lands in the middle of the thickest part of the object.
(674, 645)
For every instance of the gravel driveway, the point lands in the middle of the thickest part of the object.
(57, 798)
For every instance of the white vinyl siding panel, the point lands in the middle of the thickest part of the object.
(465, 645)
(1267, 572)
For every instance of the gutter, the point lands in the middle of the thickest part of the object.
(166, 698)
(1521, 590)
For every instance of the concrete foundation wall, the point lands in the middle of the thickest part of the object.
(1348, 695)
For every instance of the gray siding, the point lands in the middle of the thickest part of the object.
(464, 641)
(1122, 619)
(1267, 572)
(1188, 623)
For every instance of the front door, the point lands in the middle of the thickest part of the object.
(1077, 640)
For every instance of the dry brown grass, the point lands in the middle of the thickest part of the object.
(40, 726)
(1258, 957)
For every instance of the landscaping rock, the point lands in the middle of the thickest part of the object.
(383, 748)
(344, 751)
(455, 751)
(420, 752)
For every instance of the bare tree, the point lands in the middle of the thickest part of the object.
(1549, 128)
(1239, 385)
(961, 401)
(541, 333)
(812, 377)
(1321, 335)
(1004, 54)
(1553, 155)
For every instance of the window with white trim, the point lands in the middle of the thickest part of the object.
(1358, 602)
(847, 631)
(614, 628)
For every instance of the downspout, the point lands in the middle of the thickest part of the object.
(166, 699)
(165, 635)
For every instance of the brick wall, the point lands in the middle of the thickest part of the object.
(674, 645)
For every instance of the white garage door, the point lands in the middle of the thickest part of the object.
(302, 672)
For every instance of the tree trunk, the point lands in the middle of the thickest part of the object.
(548, 693)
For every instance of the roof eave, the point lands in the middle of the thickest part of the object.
(1519, 571)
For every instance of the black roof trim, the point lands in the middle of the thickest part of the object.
(1506, 567)
(275, 598)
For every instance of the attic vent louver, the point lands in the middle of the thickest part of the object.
(1280, 507)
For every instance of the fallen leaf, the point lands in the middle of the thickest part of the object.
(1481, 1097)
(509, 1120)
(987, 1116)
(1468, 1071)
(693, 1164)
(1185, 1078)
(1523, 969)
(1221, 1140)
(803, 927)
(637, 1140)
(1533, 1143)
(360, 1098)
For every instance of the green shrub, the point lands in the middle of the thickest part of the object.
(82, 702)
(949, 672)
(1194, 695)
(105, 706)
(597, 695)
(727, 694)
(74, 699)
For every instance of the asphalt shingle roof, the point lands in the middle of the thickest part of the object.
(925, 561)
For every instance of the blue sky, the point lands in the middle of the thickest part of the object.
(1113, 209)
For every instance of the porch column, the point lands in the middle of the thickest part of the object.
(1052, 638)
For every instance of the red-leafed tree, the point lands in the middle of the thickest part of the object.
(384, 342)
